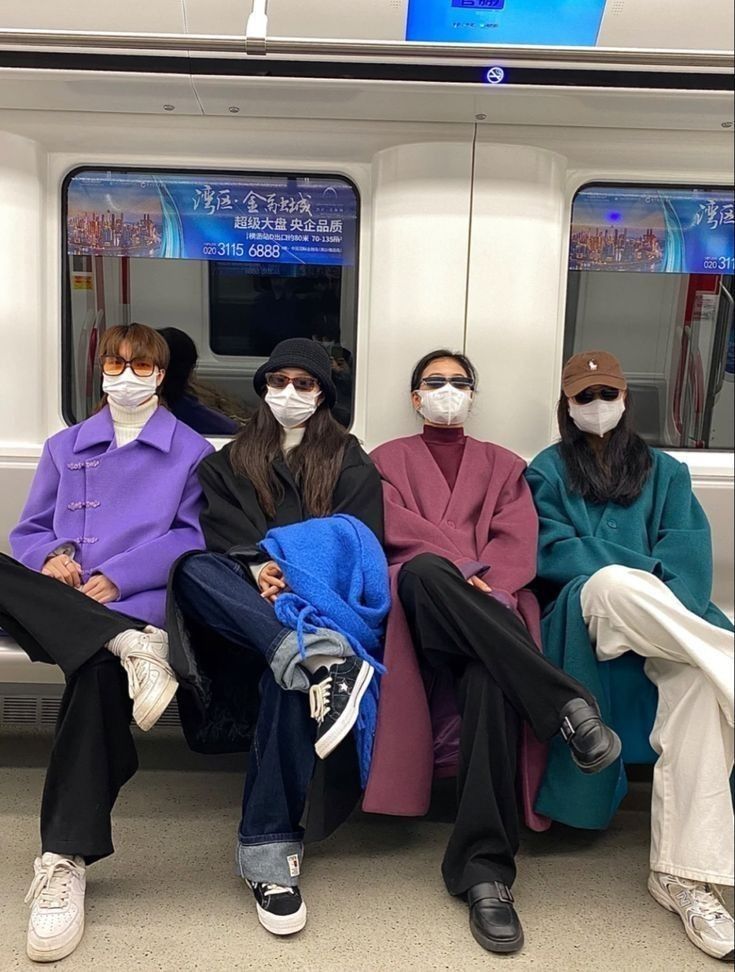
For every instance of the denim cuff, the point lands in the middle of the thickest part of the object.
(285, 662)
(275, 862)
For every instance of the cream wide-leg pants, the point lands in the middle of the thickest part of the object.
(691, 663)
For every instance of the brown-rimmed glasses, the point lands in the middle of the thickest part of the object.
(302, 383)
(113, 365)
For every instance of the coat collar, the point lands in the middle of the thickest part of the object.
(99, 430)
(428, 484)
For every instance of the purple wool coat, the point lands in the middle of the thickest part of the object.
(128, 512)
(487, 520)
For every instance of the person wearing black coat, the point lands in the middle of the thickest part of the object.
(244, 682)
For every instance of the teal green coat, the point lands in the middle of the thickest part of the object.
(665, 531)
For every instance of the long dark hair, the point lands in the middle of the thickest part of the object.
(457, 356)
(617, 474)
(315, 464)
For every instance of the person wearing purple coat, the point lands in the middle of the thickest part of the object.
(114, 502)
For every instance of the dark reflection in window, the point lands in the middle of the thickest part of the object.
(254, 306)
(196, 403)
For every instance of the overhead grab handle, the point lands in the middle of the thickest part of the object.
(256, 29)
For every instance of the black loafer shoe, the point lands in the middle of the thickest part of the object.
(493, 920)
(593, 745)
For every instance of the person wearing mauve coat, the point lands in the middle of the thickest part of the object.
(460, 537)
(114, 502)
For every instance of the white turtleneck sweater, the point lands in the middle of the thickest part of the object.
(292, 438)
(129, 422)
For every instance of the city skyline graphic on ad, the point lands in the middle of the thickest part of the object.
(105, 217)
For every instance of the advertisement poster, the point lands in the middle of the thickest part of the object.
(186, 216)
(567, 23)
(661, 231)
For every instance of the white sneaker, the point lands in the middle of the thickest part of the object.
(707, 922)
(151, 681)
(56, 895)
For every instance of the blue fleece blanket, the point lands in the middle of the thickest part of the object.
(338, 578)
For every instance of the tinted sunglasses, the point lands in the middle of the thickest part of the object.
(456, 381)
(113, 365)
(304, 383)
(587, 395)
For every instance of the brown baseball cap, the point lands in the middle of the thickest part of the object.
(591, 368)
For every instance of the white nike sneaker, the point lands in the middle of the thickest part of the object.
(151, 681)
(56, 896)
(707, 922)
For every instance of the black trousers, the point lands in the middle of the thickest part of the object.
(501, 680)
(93, 752)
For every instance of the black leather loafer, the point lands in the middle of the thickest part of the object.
(593, 745)
(493, 920)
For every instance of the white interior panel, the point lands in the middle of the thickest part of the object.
(513, 291)
(371, 19)
(392, 101)
(359, 19)
(65, 91)
(706, 25)
(164, 16)
(23, 362)
(419, 241)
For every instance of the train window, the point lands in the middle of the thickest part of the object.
(651, 279)
(225, 264)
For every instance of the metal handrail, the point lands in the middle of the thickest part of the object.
(365, 49)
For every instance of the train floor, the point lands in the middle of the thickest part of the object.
(168, 900)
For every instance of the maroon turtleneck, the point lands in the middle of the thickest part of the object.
(446, 445)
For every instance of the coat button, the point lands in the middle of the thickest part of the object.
(612, 524)
(450, 524)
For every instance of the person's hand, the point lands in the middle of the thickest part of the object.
(271, 582)
(63, 568)
(101, 589)
(480, 584)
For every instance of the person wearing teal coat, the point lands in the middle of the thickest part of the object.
(625, 577)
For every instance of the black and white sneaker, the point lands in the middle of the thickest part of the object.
(281, 911)
(335, 701)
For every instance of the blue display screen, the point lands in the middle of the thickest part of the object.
(653, 231)
(565, 23)
(192, 216)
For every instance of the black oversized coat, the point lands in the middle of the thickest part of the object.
(218, 697)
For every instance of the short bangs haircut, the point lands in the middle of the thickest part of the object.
(462, 360)
(143, 340)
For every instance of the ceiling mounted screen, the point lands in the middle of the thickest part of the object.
(569, 23)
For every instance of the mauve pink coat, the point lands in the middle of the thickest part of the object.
(488, 519)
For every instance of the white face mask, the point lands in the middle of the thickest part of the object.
(128, 390)
(597, 417)
(445, 406)
(291, 408)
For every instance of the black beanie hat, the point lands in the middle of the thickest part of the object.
(300, 353)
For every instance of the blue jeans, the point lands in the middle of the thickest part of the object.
(216, 591)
